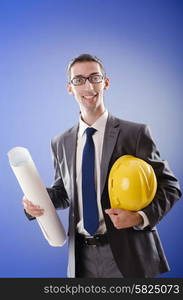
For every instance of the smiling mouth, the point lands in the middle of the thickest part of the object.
(89, 97)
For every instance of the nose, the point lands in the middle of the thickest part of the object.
(88, 85)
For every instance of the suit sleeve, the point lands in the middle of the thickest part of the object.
(168, 190)
(57, 191)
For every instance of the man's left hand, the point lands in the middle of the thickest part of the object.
(124, 218)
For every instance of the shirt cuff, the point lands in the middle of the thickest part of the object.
(145, 221)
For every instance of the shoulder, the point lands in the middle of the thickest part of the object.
(126, 125)
(60, 137)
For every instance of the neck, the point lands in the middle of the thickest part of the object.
(89, 117)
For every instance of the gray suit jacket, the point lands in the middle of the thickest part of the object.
(138, 253)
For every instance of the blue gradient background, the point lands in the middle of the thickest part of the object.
(141, 45)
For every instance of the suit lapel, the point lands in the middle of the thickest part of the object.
(110, 137)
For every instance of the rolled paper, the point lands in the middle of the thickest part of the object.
(33, 188)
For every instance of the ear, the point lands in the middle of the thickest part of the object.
(106, 83)
(69, 88)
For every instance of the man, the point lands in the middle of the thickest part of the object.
(122, 243)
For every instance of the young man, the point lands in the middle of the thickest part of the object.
(105, 242)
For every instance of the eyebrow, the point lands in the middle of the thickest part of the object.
(80, 75)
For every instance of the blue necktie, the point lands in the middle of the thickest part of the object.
(90, 209)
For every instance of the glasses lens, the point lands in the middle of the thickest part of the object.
(78, 81)
(95, 78)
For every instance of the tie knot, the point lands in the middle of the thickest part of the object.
(90, 131)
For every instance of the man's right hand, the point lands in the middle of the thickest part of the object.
(31, 209)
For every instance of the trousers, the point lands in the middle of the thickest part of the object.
(96, 262)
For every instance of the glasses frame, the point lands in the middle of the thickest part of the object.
(87, 78)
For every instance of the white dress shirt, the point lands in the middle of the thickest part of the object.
(98, 137)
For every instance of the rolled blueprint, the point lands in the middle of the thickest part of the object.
(33, 188)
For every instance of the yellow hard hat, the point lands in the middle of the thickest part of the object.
(132, 183)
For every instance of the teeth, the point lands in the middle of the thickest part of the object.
(88, 97)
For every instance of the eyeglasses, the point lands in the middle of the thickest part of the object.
(80, 80)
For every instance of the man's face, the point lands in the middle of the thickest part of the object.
(88, 95)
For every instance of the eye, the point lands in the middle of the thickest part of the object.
(96, 78)
(77, 80)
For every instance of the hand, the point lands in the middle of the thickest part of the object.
(124, 218)
(31, 209)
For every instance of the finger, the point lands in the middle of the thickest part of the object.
(26, 201)
(113, 211)
(25, 204)
(28, 204)
(31, 205)
(35, 212)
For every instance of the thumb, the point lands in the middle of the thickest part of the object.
(113, 211)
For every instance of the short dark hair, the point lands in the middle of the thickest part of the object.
(83, 58)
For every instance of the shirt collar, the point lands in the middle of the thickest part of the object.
(99, 124)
